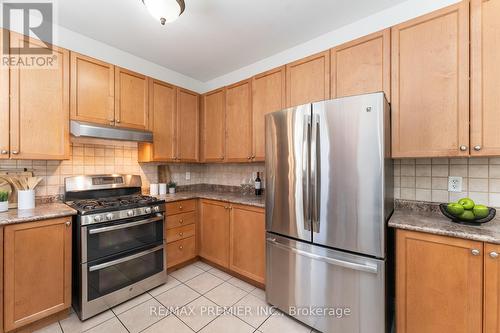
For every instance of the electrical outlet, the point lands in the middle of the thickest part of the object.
(455, 184)
(188, 175)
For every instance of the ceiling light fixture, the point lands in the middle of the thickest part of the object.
(165, 10)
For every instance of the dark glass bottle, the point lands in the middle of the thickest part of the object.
(258, 185)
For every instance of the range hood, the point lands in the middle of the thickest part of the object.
(84, 129)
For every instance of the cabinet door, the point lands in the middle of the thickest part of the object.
(4, 106)
(37, 261)
(308, 79)
(239, 122)
(187, 125)
(268, 95)
(362, 66)
(247, 251)
(485, 78)
(214, 232)
(39, 107)
(131, 99)
(92, 90)
(214, 126)
(162, 113)
(491, 288)
(438, 284)
(430, 84)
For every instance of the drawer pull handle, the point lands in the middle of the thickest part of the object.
(475, 252)
(180, 207)
(181, 234)
(68, 223)
(181, 247)
(181, 221)
(493, 255)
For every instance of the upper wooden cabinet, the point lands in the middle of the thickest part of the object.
(214, 231)
(4, 107)
(214, 126)
(439, 284)
(92, 90)
(37, 262)
(268, 95)
(485, 78)
(187, 126)
(39, 106)
(131, 99)
(239, 122)
(247, 245)
(430, 84)
(362, 66)
(308, 79)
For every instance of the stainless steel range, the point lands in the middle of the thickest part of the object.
(118, 242)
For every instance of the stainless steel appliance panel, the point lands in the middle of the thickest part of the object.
(287, 172)
(350, 165)
(331, 291)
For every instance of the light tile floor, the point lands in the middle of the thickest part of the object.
(196, 298)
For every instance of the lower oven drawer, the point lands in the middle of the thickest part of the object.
(179, 220)
(180, 233)
(181, 251)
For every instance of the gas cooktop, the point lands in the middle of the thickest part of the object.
(91, 206)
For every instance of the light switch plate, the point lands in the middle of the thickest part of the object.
(188, 175)
(455, 184)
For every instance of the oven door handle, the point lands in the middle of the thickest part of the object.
(122, 260)
(126, 225)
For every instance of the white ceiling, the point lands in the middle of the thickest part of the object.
(212, 37)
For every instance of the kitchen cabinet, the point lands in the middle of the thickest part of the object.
(239, 122)
(268, 95)
(247, 244)
(491, 305)
(485, 78)
(308, 79)
(430, 84)
(39, 106)
(131, 99)
(92, 90)
(187, 126)
(439, 283)
(362, 66)
(180, 231)
(214, 126)
(4, 106)
(214, 232)
(37, 268)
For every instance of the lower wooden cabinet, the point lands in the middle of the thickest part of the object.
(181, 251)
(247, 242)
(439, 284)
(491, 307)
(37, 267)
(180, 231)
(214, 232)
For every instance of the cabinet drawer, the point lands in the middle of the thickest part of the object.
(180, 207)
(180, 233)
(180, 220)
(180, 251)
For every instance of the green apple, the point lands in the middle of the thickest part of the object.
(467, 215)
(466, 203)
(481, 211)
(455, 208)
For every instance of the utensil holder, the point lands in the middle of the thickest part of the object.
(4, 206)
(26, 199)
(153, 189)
(163, 188)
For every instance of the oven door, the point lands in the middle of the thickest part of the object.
(109, 239)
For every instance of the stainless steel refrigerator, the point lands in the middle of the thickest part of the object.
(329, 194)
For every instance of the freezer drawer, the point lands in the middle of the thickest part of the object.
(329, 290)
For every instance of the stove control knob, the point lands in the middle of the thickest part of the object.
(109, 216)
(130, 213)
(98, 218)
(147, 210)
(156, 208)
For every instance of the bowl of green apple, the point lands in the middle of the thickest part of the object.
(465, 211)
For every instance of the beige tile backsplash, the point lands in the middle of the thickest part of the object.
(427, 179)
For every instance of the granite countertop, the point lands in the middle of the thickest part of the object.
(427, 218)
(232, 197)
(40, 212)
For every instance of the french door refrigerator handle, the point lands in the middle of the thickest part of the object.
(369, 268)
(306, 197)
(315, 170)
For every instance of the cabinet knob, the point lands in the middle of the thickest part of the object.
(180, 207)
(475, 252)
(493, 255)
(181, 247)
(253, 156)
(463, 148)
(68, 223)
(118, 121)
(181, 234)
(15, 152)
(477, 148)
(181, 221)
(222, 157)
(4, 152)
(249, 158)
